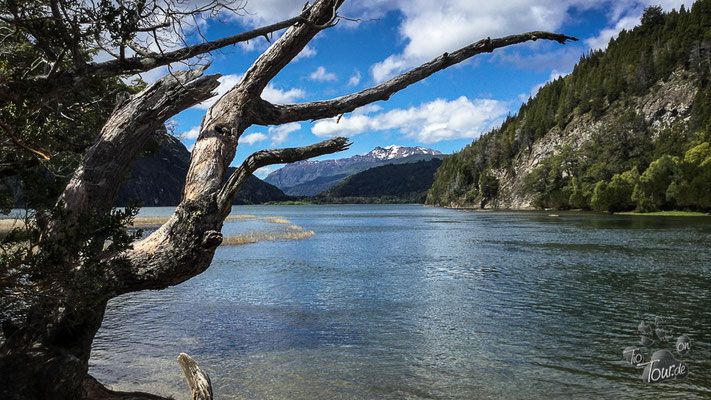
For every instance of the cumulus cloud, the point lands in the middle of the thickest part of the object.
(263, 12)
(271, 93)
(354, 79)
(252, 138)
(430, 28)
(279, 96)
(427, 123)
(306, 52)
(280, 134)
(600, 41)
(190, 134)
(321, 75)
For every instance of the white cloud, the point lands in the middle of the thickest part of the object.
(263, 12)
(354, 79)
(191, 134)
(271, 93)
(252, 138)
(600, 41)
(280, 134)
(321, 75)
(227, 82)
(278, 96)
(306, 52)
(430, 28)
(428, 123)
(262, 173)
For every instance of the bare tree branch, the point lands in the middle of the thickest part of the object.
(262, 158)
(266, 113)
(143, 63)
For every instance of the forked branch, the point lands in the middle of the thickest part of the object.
(276, 156)
(270, 114)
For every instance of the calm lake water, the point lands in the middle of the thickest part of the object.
(405, 301)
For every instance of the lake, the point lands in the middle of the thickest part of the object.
(406, 301)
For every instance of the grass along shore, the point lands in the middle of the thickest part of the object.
(667, 214)
(289, 232)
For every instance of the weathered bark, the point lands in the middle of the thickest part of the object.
(95, 184)
(54, 345)
(198, 380)
(53, 349)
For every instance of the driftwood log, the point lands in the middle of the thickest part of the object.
(198, 380)
(47, 358)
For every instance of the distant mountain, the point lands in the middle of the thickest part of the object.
(158, 179)
(256, 191)
(391, 183)
(309, 178)
(393, 152)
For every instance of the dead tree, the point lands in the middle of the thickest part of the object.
(47, 358)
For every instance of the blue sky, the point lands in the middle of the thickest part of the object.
(444, 112)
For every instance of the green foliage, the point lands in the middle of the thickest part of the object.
(650, 192)
(617, 195)
(33, 267)
(602, 82)
(391, 183)
(693, 190)
(44, 130)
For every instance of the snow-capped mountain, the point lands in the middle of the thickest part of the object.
(308, 178)
(394, 151)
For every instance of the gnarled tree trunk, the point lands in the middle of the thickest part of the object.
(47, 358)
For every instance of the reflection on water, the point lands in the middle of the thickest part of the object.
(413, 302)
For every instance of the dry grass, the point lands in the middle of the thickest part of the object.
(6, 225)
(150, 221)
(292, 232)
(277, 220)
(238, 217)
(158, 221)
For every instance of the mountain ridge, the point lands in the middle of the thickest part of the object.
(309, 178)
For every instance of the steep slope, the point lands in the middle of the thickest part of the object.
(157, 179)
(308, 178)
(391, 183)
(628, 129)
(256, 191)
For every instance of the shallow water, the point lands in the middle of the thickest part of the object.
(404, 301)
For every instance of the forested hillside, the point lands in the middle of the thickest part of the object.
(391, 183)
(628, 129)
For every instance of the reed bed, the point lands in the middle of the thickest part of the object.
(157, 221)
(292, 232)
(277, 220)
